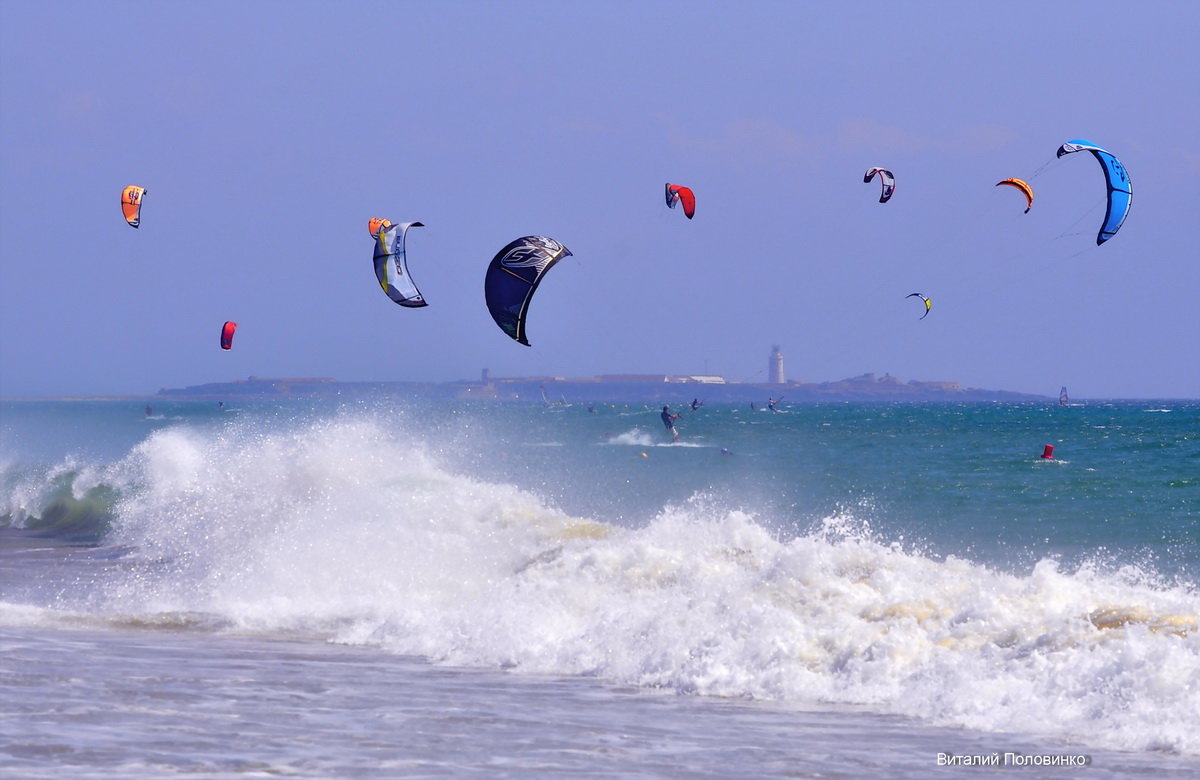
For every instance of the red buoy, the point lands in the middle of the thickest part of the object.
(1048, 452)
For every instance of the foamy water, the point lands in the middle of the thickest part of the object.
(361, 533)
(638, 437)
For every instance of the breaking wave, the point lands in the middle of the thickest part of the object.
(349, 531)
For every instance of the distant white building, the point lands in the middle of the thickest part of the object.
(704, 379)
(775, 367)
(633, 378)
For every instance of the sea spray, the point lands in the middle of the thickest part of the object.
(63, 502)
(364, 528)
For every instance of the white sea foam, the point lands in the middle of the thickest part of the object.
(347, 530)
(26, 491)
(636, 437)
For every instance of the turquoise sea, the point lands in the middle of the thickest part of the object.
(399, 587)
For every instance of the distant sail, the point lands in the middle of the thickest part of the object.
(375, 223)
(227, 331)
(887, 182)
(926, 301)
(1025, 189)
(682, 195)
(131, 204)
(1062, 397)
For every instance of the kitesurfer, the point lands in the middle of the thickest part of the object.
(771, 404)
(695, 404)
(669, 421)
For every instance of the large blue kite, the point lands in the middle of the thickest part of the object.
(1120, 189)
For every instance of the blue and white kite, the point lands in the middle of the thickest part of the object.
(1120, 189)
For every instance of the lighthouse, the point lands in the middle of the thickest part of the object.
(775, 367)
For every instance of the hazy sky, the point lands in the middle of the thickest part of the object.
(267, 133)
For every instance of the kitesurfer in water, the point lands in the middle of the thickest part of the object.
(771, 404)
(669, 421)
(696, 404)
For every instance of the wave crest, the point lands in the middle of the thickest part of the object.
(355, 531)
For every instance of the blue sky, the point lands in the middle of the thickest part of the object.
(267, 133)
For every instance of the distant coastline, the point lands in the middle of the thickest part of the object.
(607, 388)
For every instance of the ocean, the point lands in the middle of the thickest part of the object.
(406, 587)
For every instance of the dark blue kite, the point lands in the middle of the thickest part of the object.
(513, 278)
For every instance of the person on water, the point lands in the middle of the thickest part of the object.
(669, 421)
(771, 404)
(695, 404)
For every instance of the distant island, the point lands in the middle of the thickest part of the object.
(609, 388)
